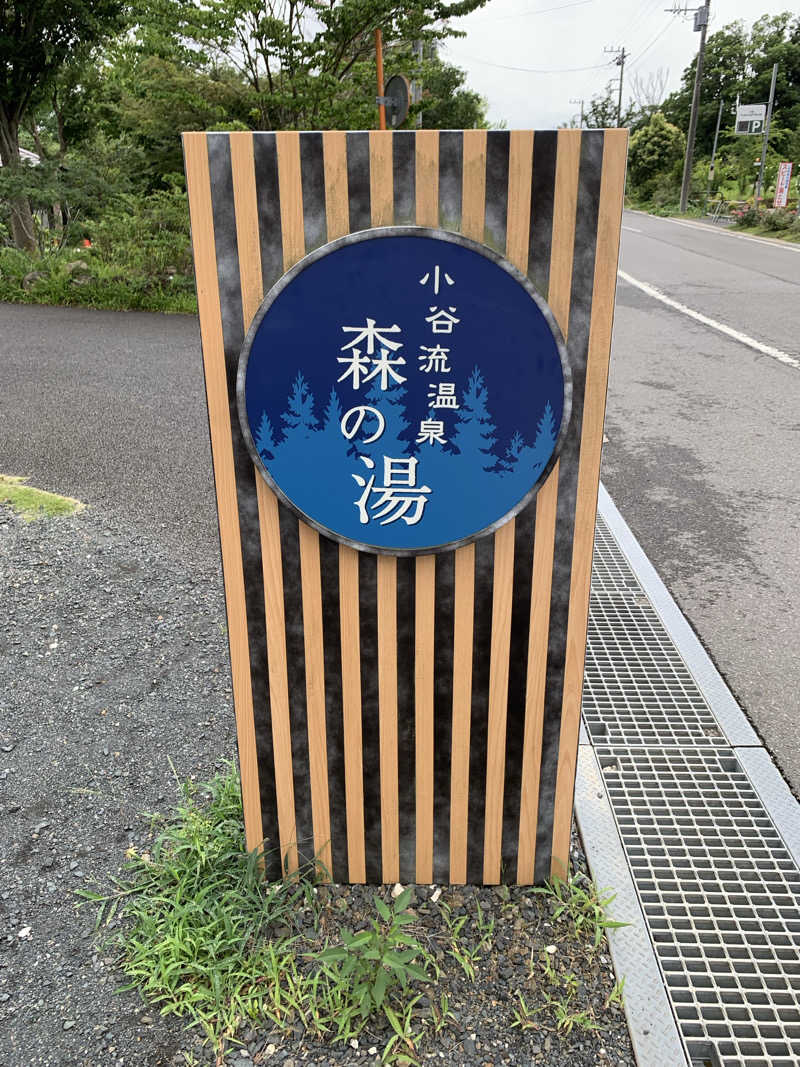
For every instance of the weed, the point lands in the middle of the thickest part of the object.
(523, 1016)
(616, 996)
(584, 906)
(467, 955)
(401, 1046)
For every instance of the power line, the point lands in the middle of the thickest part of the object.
(530, 70)
(536, 11)
(640, 55)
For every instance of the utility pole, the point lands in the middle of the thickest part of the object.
(713, 157)
(766, 135)
(581, 102)
(620, 61)
(701, 24)
(381, 99)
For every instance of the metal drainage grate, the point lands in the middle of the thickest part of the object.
(721, 896)
(637, 688)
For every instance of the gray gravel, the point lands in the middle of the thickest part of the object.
(114, 673)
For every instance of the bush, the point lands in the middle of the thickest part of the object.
(749, 218)
(778, 220)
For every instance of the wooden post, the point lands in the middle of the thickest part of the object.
(379, 63)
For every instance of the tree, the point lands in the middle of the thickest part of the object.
(37, 37)
(299, 417)
(446, 104)
(474, 436)
(602, 110)
(265, 442)
(654, 152)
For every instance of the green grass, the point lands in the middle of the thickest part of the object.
(102, 285)
(32, 503)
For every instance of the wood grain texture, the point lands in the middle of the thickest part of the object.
(278, 678)
(311, 581)
(520, 167)
(380, 177)
(334, 149)
(424, 637)
(565, 207)
(604, 287)
(473, 191)
(247, 237)
(543, 544)
(427, 177)
(387, 716)
(351, 712)
(464, 617)
(199, 187)
(502, 597)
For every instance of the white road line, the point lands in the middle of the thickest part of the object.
(631, 229)
(742, 338)
(706, 228)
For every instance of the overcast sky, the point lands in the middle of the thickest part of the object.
(551, 35)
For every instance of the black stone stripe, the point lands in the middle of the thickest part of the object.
(269, 207)
(224, 221)
(451, 157)
(312, 170)
(539, 250)
(580, 313)
(444, 624)
(496, 213)
(370, 726)
(481, 646)
(296, 669)
(358, 181)
(404, 168)
(543, 185)
(406, 724)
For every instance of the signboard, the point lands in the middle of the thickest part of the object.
(782, 185)
(404, 390)
(750, 118)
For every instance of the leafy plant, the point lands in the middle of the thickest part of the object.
(373, 963)
(467, 955)
(578, 901)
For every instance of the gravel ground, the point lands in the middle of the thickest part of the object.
(113, 680)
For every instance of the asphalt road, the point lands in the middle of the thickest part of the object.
(702, 452)
(703, 438)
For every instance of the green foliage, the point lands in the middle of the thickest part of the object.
(32, 504)
(372, 964)
(656, 152)
(579, 903)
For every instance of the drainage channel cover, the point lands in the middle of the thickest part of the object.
(721, 896)
(637, 688)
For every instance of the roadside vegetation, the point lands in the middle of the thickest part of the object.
(200, 934)
(95, 93)
(31, 504)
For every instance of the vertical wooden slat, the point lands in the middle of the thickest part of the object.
(502, 594)
(336, 209)
(568, 160)
(382, 214)
(603, 290)
(473, 201)
(315, 693)
(544, 540)
(423, 712)
(387, 703)
(249, 249)
(351, 712)
(517, 231)
(278, 680)
(293, 236)
(199, 187)
(464, 614)
(426, 173)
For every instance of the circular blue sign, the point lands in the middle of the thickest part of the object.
(404, 390)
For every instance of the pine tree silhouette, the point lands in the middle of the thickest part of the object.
(332, 416)
(545, 432)
(474, 435)
(515, 446)
(265, 441)
(391, 403)
(298, 418)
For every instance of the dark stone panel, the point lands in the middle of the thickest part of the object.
(498, 143)
(296, 670)
(404, 168)
(444, 624)
(370, 730)
(224, 221)
(332, 644)
(517, 680)
(358, 181)
(269, 207)
(312, 176)
(451, 165)
(406, 731)
(579, 321)
(481, 647)
(542, 193)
